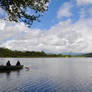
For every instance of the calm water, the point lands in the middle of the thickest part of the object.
(49, 75)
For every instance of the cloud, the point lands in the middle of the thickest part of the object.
(90, 11)
(84, 2)
(63, 37)
(64, 10)
(9, 30)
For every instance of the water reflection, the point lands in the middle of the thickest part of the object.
(49, 75)
(8, 73)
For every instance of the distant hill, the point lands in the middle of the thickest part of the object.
(4, 52)
(87, 55)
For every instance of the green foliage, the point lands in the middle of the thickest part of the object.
(87, 55)
(4, 52)
(24, 10)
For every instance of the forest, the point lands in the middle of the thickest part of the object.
(5, 52)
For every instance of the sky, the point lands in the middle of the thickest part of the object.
(65, 28)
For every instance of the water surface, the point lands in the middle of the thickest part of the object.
(48, 75)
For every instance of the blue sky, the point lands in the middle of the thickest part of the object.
(50, 17)
(65, 28)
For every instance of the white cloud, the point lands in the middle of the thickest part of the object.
(63, 37)
(9, 30)
(84, 2)
(90, 11)
(83, 13)
(64, 10)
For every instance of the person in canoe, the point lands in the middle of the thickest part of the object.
(8, 63)
(18, 63)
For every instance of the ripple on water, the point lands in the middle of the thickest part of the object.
(37, 86)
(56, 76)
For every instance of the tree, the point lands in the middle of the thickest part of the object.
(24, 10)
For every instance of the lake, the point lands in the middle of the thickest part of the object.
(48, 75)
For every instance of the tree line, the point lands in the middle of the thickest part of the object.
(4, 52)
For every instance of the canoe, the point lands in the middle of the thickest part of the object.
(10, 68)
